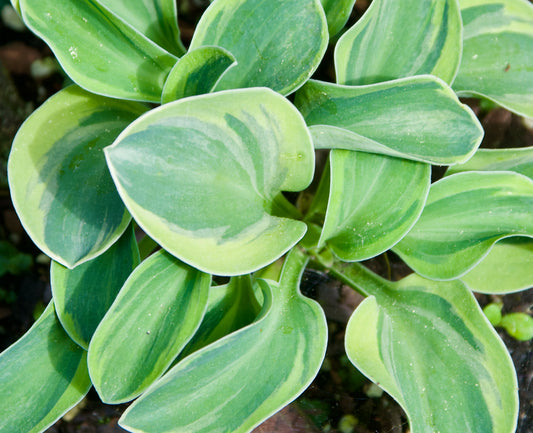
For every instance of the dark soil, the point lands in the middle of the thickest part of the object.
(340, 395)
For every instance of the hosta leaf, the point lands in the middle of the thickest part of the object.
(59, 181)
(374, 200)
(430, 347)
(496, 63)
(245, 377)
(42, 376)
(154, 315)
(196, 73)
(83, 295)
(337, 14)
(464, 216)
(418, 118)
(156, 19)
(277, 44)
(209, 189)
(507, 268)
(98, 50)
(385, 44)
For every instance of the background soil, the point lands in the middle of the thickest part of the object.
(340, 399)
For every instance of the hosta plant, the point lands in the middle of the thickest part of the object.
(170, 186)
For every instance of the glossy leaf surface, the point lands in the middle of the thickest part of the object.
(245, 377)
(464, 216)
(417, 118)
(498, 37)
(98, 50)
(155, 314)
(429, 345)
(277, 44)
(59, 181)
(196, 73)
(337, 14)
(83, 295)
(373, 201)
(42, 376)
(209, 189)
(401, 39)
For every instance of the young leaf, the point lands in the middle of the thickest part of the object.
(337, 14)
(83, 295)
(42, 376)
(245, 377)
(98, 50)
(153, 317)
(277, 44)
(418, 118)
(374, 200)
(429, 345)
(197, 73)
(386, 44)
(209, 190)
(156, 19)
(59, 181)
(464, 216)
(498, 37)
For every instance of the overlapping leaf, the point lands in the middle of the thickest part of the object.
(277, 44)
(155, 314)
(400, 39)
(59, 181)
(83, 295)
(209, 192)
(430, 347)
(98, 50)
(42, 376)
(245, 377)
(418, 118)
(498, 35)
(464, 216)
(337, 14)
(373, 201)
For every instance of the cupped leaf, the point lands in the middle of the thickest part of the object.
(464, 216)
(197, 73)
(277, 44)
(373, 201)
(245, 377)
(337, 14)
(209, 189)
(400, 39)
(59, 181)
(156, 19)
(496, 62)
(418, 118)
(98, 50)
(42, 376)
(83, 295)
(506, 269)
(153, 317)
(429, 345)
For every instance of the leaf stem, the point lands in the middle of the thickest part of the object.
(291, 273)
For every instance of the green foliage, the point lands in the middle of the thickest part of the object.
(204, 175)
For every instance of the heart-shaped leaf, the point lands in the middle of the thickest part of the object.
(277, 44)
(243, 378)
(429, 345)
(373, 201)
(156, 19)
(83, 295)
(208, 191)
(337, 14)
(418, 118)
(59, 181)
(386, 44)
(465, 214)
(498, 35)
(42, 376)
(197, 73)
(153, 317)
(98, 50)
